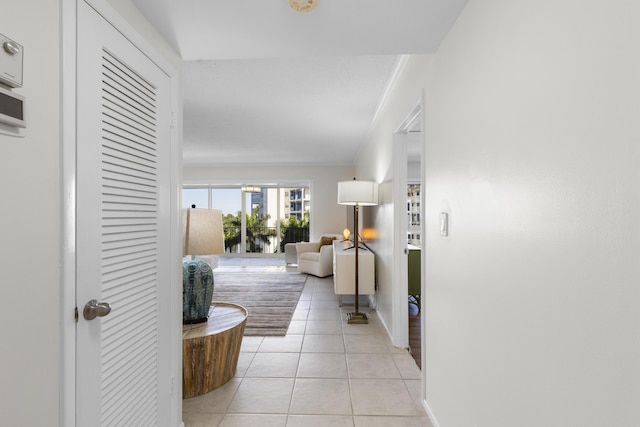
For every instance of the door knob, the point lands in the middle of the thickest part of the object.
(95, 309)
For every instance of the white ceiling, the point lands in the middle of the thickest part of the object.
(265, 84)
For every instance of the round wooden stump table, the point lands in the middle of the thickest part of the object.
(210, 350)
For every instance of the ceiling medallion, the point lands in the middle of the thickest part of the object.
(303, 5)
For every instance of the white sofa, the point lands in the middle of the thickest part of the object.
(316, 259)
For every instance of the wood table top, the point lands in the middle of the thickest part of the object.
(222, 316)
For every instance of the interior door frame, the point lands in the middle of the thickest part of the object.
(68, 310)
(400, 224)
(400, 141)
(401, 311)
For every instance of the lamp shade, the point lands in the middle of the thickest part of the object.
(363, 193)
(203, 233)
(250, 189)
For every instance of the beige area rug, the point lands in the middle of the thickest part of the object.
(269, 297)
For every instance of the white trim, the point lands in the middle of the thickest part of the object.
(400, 274)
(243, 222)
(411, 118)
(130, 33)
(423, 255)
(68, 65)
(430, 413)
(386, 328)
(400, 336)
(312, 209)
(418, 113)
(175, 310)
(67, 42)
(398, 70)
(261, 182)
(400, 313)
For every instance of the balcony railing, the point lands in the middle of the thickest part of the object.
(263, 239)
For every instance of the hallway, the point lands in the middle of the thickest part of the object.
(324, 372)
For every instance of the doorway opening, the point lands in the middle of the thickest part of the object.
(409, 201)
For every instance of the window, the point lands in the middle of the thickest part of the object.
(255, 222)
(195, 196)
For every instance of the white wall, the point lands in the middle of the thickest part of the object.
(326, 215)
(29, 227)
(533, 148)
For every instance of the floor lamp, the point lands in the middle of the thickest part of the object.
(357, 193)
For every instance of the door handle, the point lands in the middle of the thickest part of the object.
(95, 309)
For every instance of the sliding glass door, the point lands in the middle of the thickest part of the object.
(256, 220)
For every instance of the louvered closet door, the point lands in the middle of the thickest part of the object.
(122, 230)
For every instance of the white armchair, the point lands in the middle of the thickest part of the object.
(316, 258)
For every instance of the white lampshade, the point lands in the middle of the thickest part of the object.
(363, 193)
(250, 189)
(203, 233)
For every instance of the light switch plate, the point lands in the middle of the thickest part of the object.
(444, 224)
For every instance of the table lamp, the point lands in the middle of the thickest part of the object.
(203, 235)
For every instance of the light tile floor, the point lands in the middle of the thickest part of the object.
(324, 372)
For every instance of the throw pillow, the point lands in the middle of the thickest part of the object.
(326, 240)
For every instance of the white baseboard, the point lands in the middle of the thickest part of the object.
(432, 417)
(384, 325)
